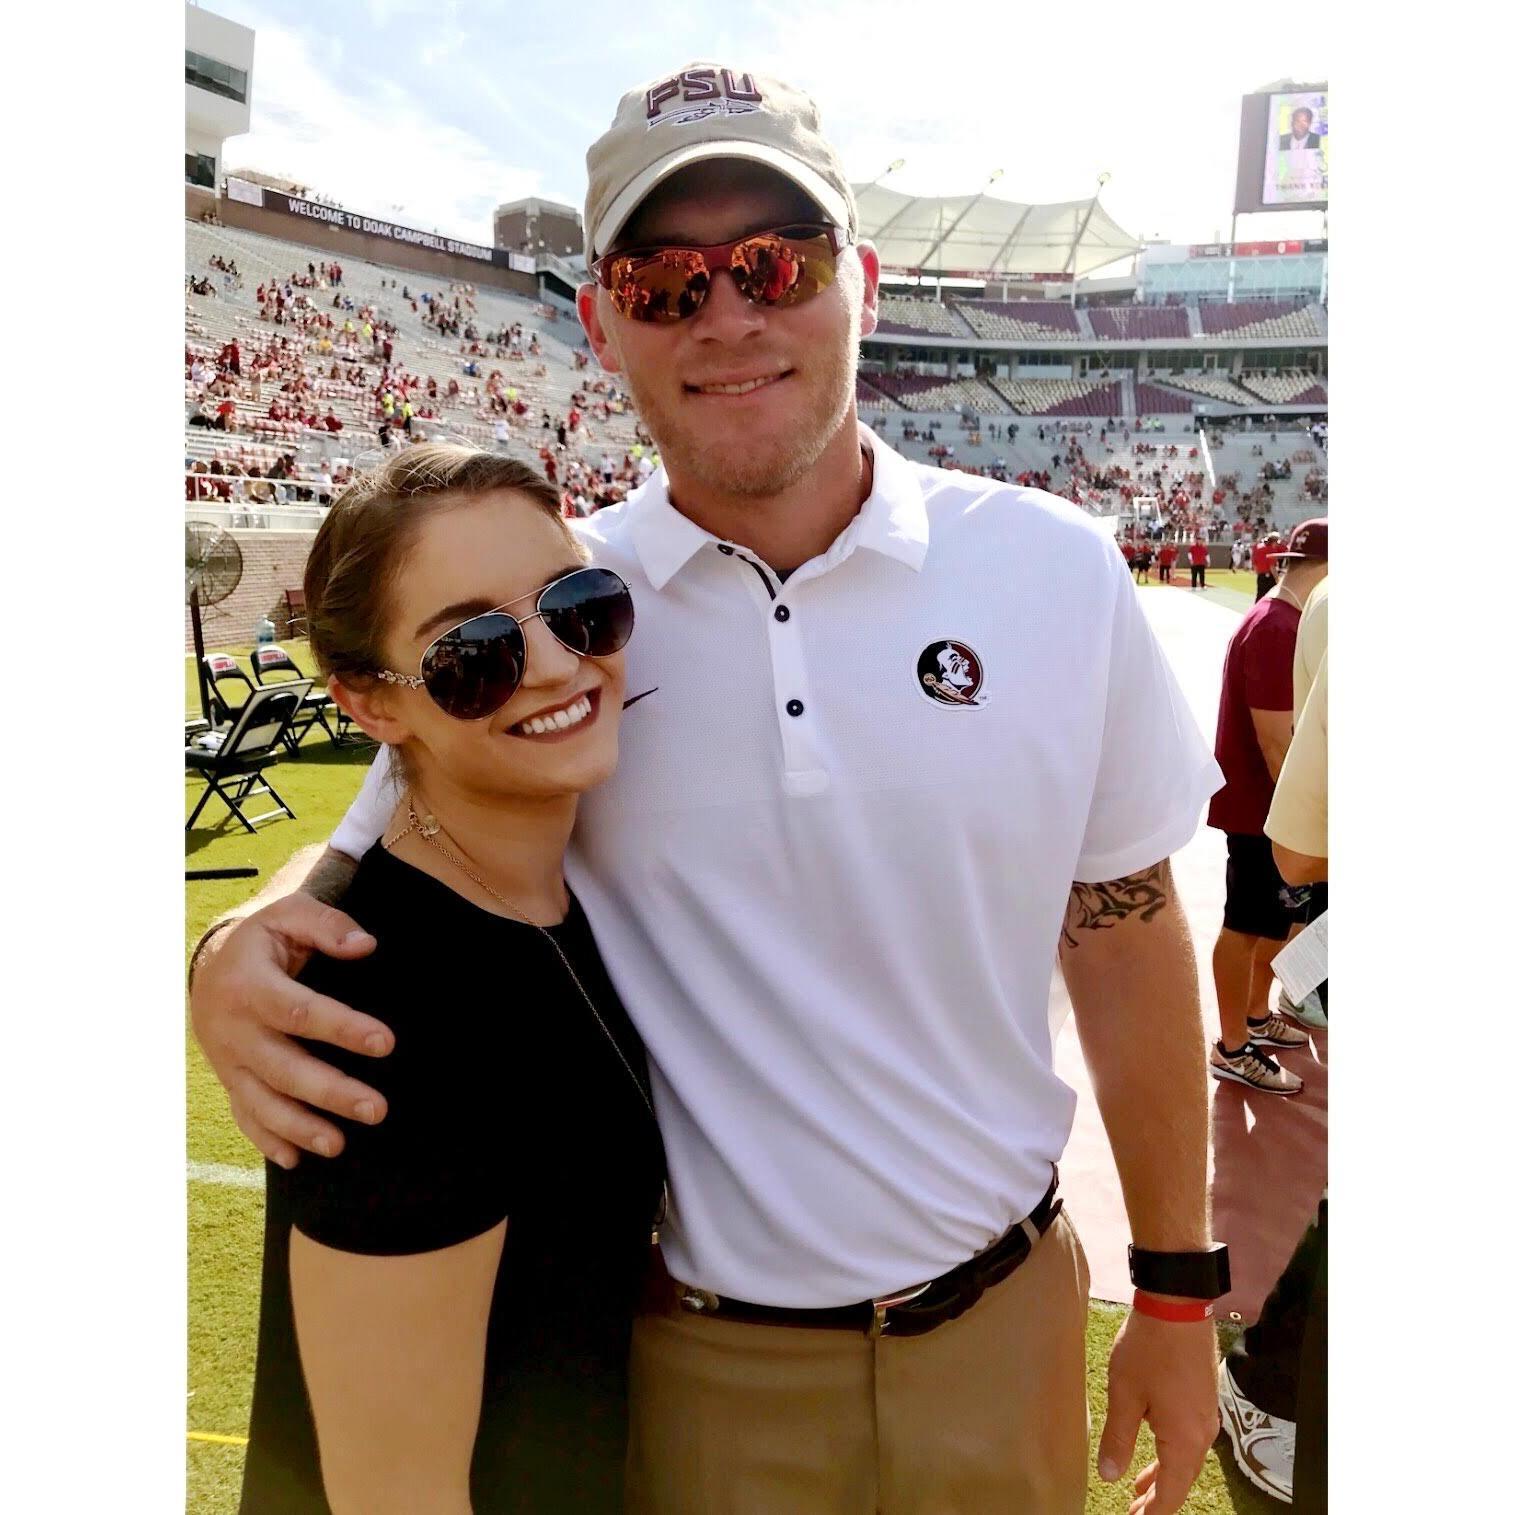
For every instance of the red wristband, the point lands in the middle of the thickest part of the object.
(1165, 1309)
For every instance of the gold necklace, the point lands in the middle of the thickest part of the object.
(427, 827)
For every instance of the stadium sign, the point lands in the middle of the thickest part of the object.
(351, 220)
(984, 275)
(1254, 249)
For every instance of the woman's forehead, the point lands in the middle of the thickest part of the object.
(501, 534)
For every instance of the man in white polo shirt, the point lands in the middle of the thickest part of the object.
(897, 737)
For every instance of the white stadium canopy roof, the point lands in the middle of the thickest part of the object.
(977, 236)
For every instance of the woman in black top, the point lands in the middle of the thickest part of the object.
(447, 1305)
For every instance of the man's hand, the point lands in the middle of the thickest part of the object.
(245, 1006)
(1164, 1373)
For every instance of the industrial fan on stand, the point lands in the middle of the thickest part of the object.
(212, 571)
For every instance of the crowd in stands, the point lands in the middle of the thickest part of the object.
(1099, 467)
(320, 370)
(305, 370)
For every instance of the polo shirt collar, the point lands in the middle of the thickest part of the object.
(892, 520)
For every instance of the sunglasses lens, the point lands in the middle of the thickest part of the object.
(473, 670)
(783, 268)
(589, 612)
(775, 269)
(665, 287)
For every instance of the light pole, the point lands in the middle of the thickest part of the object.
(862, 189)
(1072, 263)
(940, 249)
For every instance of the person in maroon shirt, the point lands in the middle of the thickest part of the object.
(1167, 556)
(1252, 736)
(1128, 552)
(1199, 560)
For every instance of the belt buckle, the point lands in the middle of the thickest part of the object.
(881, 1308)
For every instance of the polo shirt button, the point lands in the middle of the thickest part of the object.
(795, 707)
(781, 614)
(722, 547)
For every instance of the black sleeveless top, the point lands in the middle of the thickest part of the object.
(506, 1100)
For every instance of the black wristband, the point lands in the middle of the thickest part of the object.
(1188, 1275)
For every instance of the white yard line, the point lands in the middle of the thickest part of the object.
(225, 1174)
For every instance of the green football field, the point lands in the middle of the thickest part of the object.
(225, 1173)
(1231, 588)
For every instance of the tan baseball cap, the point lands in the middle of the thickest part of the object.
(707, 110)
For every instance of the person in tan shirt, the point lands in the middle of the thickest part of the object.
(1310, 643)
(1297, 818)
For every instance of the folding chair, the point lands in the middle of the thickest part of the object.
(315, 709)
(234, 769)
(221, 667)
(294, 610)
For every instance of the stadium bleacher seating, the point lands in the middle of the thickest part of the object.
(1130, 323)
(210, 322)
(869, 395)
(1152, 401)
(1021, 320)
(213, 321)
(1299, 388)
(926, 393)
(1283, 319)
(1063, 397)
(901, 315)
(1212, 386)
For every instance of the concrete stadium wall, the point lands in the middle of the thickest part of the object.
(272, 561)
(344, 243)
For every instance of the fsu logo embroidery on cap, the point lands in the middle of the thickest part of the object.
(951, 673)
(701, 92)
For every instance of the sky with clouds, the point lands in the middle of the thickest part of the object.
(433, 112)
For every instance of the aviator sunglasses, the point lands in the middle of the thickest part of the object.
(774, 269)
(473, 669)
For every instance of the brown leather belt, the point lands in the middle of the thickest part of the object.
(911, 1312)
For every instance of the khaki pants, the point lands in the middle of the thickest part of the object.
(986, 1414)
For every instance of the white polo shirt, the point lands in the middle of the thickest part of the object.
(829, 875)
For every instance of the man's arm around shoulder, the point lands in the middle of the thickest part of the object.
(246, 1006)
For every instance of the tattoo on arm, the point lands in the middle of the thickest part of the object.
(327, 881)
(1097, 907)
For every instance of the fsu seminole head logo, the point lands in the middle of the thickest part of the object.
(950, 673)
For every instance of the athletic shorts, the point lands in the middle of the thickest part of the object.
(1258, 902)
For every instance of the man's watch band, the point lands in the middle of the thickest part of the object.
(1188, 1275)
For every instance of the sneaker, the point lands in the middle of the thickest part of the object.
(1264, 1446)
(1255, 1069)
(1307, 1012)
(1276, 1032)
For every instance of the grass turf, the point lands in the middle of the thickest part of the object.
(226, 1223)
(1233, 588)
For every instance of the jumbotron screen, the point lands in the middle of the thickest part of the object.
(1284, 158)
